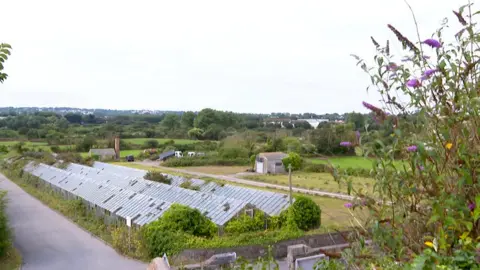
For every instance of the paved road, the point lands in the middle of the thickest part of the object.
(252, 183)
(49, 241)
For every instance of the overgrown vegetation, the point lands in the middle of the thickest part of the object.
(431, 218)
(205, 161)
(158, 177)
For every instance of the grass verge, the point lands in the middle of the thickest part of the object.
(12, 260)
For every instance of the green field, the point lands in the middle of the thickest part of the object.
(143, 140)
(320, 181)
(347, 162)
(27, 143)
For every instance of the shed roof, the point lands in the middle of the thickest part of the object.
(273, 155)
(166, 154)
(103, 152)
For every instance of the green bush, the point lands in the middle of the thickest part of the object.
(3, 149)
(294, 159)
(5, 240)
(168, 233)
(188, 185)
(244, 223)
(158, 177)
(205, 161)
(306, 213)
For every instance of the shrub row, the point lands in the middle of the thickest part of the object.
(205, 161)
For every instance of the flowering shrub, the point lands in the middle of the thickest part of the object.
(424, 212)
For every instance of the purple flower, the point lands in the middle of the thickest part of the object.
(369, 106)
(471, 206)
(348, 205)
(414, 83)
(392, 67)
(421, 168)
(346, 144)
(357, 134)
(433, 43)
(430, 72)
(412, 148)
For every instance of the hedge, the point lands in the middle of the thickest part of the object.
(205, 161)
(325, 168)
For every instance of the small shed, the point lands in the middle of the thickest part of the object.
(270, 162)
(104, 154)
(166, 155)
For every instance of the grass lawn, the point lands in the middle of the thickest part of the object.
(321, 181)
(143, 140)
(27, 143)
(334, 214)
(222, 170)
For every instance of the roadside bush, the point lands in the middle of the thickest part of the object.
(3, 149)
(158, 177)
(5, 240)
(55, 149)
(244, 223)
(307, 213)
(294, 159)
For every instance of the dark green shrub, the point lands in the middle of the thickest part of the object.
(5, 240)
(151, 144)
(205, 161)
(246, 223)
(3, 149)
(158, 177)
(169, 233)
(306, 213)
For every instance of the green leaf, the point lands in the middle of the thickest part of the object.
(433, 219)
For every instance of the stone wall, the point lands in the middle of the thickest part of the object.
(253, 252)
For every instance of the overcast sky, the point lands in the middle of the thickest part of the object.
(244, 56)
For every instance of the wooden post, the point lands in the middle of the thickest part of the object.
(290, 182)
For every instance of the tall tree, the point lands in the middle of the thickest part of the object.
(4, 53)
(188, 119)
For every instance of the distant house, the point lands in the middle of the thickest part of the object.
(270, 162)
(108, 153)
(166, 155)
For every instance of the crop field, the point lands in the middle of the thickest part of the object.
(320, 181)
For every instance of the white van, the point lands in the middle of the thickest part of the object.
(178, 154)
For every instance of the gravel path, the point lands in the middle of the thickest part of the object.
(49, 241)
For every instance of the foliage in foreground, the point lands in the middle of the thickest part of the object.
(5, 236)
(424, 214)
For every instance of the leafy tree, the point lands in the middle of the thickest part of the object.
(294, 159)
(306, 213)
(171, 121)
(74, 118)
(206, 118)
(150, 133)
(195, 133)
(188, 119)
(291, 144)
(86, 144)
(4, 53)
